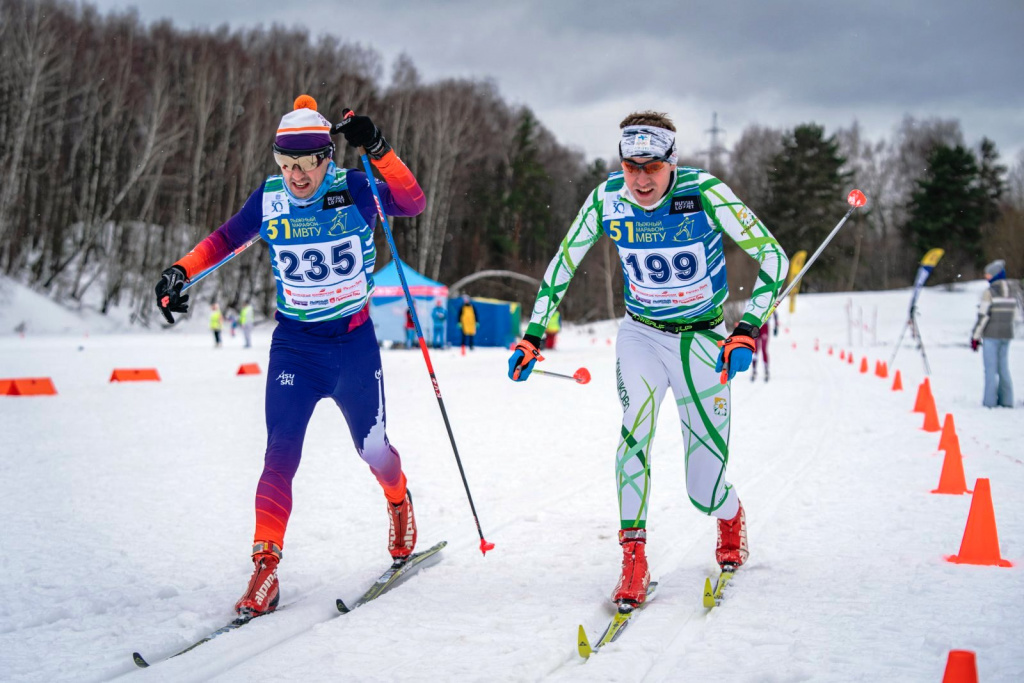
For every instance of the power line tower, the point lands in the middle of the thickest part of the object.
(716, 151)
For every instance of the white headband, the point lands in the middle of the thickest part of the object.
(648, 141)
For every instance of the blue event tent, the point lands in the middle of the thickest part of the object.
(388, 305)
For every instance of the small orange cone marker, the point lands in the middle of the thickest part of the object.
(897, 382)
(884, 372)
(849, 358)
(931, 416)
(249, 369)
(960, 667)
(864, 365)
(842, 354)
(980, 544)
(948, 434)
(830, 351)
(951, 480)
(135, 375)
(924, 390)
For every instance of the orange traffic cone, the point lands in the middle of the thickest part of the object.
(830, 351)
(923, 390)
(883, 371)
(980, 544)
(951, 480)
(849, 358)
(897, 382)
(842, 354)
(864, 365)
(948, 434)
(931, 416)
(960, 667)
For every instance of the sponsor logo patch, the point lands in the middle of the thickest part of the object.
(337, 200)
(721, 407)
(687, 204)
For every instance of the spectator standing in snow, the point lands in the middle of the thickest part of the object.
(551, 331)
(322, 348)
(440, 316)
(993, 331)
(668, 225)
(216, 324)
(410, 330)
(246, 321)
(467, 321)
(762, 346)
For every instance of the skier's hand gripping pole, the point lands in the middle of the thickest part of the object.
(372, 135)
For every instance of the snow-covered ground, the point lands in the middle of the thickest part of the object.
(127, 515)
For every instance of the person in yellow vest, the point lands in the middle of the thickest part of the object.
(216, 324)
(245, 319)
(551, 331)
(467, 321)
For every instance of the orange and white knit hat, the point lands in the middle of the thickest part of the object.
(304, 129)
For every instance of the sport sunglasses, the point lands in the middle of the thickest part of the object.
(649, 167)
(307, 162)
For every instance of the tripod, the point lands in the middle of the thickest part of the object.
(915, 332)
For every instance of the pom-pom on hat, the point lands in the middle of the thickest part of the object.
(995, 268)
(304, 129)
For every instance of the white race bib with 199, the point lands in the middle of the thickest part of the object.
(321, 274)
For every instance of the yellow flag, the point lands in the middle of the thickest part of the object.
(931, 259)
(795, 266)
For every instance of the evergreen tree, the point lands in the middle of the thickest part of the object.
(805, 197)
(991, 177)
(948, 207)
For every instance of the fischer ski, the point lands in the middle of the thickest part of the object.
(713, 594)
(391, 578)
(395, 575)
(233, 625)
(615, 627)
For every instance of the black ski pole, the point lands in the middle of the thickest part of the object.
(484, 544)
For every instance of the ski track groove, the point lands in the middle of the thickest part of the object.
(797, 461)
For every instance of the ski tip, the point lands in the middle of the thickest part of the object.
(583, 644)
(709, 594)
(342, 607)
(139, 661)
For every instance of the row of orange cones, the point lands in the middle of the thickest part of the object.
(980, 544)
(43, 386)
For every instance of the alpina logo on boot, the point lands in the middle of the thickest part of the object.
(261, 594)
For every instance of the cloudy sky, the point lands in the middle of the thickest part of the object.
(581, 65)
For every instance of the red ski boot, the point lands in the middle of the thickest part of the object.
(263, 591)
(732, 540)
(402, 538)
(632, 585)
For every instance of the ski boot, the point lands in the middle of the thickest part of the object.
(632, 586)
(402, 538)
(264, 591)
(732, 540)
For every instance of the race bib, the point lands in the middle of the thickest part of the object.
(321, 275)
(667, 276)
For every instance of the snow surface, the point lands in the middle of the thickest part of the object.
(127, 515)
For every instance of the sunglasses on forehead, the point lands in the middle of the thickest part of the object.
(305, 161)
(649, 167)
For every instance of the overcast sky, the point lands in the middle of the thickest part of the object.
(582, 65)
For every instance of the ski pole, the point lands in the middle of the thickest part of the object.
(581, 376)
(347, 113)
(855, 199)
(199, 276)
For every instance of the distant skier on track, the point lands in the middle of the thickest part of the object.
(318, 220)
(667, 224)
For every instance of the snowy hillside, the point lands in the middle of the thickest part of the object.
(127, 515)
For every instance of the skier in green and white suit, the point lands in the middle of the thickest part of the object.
(667, 224)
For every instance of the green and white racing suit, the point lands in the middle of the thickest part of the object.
(673, 263)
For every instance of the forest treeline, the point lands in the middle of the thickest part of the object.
(123, 144)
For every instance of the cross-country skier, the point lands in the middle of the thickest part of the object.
(667, 224)
(318, 220)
